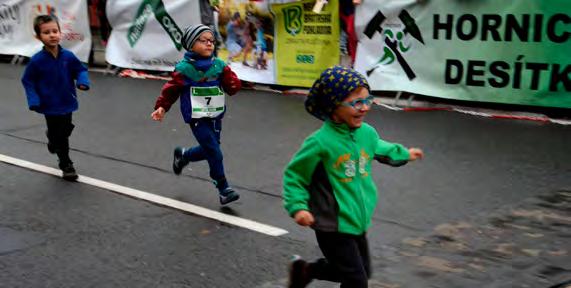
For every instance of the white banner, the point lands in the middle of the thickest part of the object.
(146, 33)
(17, 36)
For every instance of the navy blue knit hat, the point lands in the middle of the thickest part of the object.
(333, 86)
(192, 33)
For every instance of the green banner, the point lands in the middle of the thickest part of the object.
(516, 52)
(157, 8)
(306, 43)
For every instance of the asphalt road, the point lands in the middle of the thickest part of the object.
(59, 234)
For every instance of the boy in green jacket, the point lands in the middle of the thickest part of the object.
(328, 184)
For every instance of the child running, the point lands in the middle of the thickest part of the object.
(200, 81)
(328, 184)
(50, 80)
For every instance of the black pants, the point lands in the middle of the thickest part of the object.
(59, 130)
(346, 259)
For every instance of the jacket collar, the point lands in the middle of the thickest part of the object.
(341, 128)
(45, 51)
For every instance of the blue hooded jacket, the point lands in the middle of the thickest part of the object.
(50, 82)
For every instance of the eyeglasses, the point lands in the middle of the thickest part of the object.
(206, 41)
(359, 104)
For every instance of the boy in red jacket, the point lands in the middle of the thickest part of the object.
(200, 81)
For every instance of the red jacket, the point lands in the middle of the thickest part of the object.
(174, 88)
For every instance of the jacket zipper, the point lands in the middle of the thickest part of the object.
(358, 178)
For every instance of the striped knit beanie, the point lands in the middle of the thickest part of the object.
(333, 86)
(191, 34)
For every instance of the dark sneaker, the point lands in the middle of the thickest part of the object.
(298, 273)
(178, 161)
(69, 173)
(228, 195)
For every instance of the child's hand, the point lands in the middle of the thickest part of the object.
(356, 2)
(83, 87)
(158, 114)
(415, 153)
(304, 218)
(234, 87)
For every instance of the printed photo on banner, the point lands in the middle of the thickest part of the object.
(245, 34)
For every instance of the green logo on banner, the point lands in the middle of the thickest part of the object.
(292, 20)
(400, 46)
(305, 59)
(138, 26)
(157, 8)
(394, 45)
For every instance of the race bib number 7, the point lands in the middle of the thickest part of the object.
(206, 101)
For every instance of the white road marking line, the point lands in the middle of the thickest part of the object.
(194, 209)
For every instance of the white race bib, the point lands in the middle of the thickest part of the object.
(206, 101)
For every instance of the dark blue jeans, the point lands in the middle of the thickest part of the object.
(207, 133)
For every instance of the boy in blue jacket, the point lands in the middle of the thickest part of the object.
(50, 80)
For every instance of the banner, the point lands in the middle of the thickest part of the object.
(306, 43)
(245, 34)
(146, 33)
(17, 36)
(515, 52)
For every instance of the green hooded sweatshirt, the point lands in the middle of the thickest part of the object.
(330, 176)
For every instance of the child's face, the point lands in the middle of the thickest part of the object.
(353, 115)
(49, 34)
(204, 45)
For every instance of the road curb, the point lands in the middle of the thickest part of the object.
(423, 106)
(386, 102)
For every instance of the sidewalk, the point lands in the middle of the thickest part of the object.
(526, 245)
